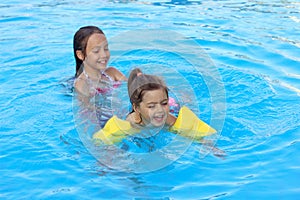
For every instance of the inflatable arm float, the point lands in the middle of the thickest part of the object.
(187, 124)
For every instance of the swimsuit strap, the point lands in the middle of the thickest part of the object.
(115, 84)
(86, 76)
(107, 76)
(102, 74)
(99, 90)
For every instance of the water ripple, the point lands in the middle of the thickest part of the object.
(255, 47)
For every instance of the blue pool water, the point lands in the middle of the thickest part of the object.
(253, 47)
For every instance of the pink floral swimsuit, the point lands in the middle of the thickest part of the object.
(101, 96)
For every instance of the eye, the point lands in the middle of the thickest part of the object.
(151, 106)
(95, 50)
(164, 103)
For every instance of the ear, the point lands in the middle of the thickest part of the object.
(79, 54)
(135, 108)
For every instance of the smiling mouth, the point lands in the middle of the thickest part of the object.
(102, 62)
(159, 118)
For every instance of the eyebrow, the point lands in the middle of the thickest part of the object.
(100, 46)
(157, 102)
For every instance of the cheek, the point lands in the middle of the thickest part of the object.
(90, 56)
(146, 113)
(166, 108)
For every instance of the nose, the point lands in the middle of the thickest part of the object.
(159, 108)
(103, 53)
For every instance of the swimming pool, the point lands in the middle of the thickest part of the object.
(255, 47)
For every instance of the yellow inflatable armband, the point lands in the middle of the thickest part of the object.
(189, 125)
(114, 131)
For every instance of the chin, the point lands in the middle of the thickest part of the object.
(102, 67)
(158, 124)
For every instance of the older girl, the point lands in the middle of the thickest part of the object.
(92, 54)
(94, 81)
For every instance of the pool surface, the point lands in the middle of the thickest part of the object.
(236, 63)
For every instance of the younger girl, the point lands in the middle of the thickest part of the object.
(150, 102)
(149, 98)
(150, 108)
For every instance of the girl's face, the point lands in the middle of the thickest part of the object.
(154, 108)
(97, 52)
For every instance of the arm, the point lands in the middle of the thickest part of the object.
(209, 146)
(82, 92)
(171, 119)
(114, 131)
(189, 125)
(115, 74)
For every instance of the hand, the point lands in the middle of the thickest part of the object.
(209, 147)
(218, 152)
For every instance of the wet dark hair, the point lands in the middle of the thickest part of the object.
(80, 40)
(138, 83)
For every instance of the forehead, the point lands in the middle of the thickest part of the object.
(96, 39)
(154, 96)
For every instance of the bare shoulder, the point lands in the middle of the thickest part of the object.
(115, 74)
(130, 117)
(80, 86)
(171, 119)
(133, 121)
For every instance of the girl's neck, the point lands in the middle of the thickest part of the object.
(92, 73)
